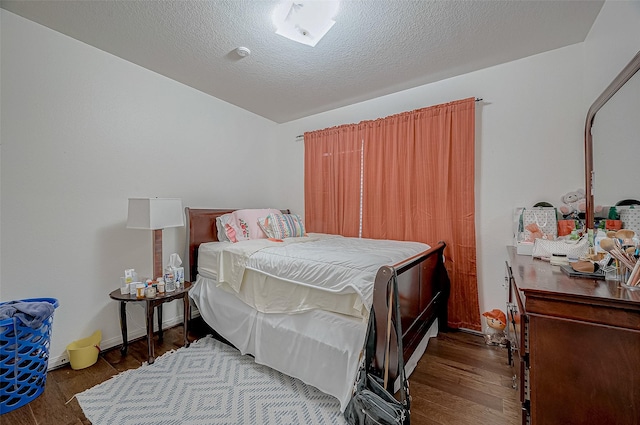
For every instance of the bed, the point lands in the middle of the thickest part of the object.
(319, 346)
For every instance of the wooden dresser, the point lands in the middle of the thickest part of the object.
(575, 346)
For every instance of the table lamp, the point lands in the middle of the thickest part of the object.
(155, 214)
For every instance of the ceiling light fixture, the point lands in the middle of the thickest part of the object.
(304, 21)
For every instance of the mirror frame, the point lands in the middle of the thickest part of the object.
(621, 79)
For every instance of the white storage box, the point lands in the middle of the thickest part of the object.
(524, 248)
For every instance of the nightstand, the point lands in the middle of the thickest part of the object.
(150, 305)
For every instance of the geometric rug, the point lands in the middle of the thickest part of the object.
(207, 383)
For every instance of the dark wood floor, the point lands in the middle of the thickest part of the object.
(459, 380)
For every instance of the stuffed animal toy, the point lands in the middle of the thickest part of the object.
(534, 232)
(574, 203)
(496, 319)
(496, 322)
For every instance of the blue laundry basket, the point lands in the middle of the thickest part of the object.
(24, 358)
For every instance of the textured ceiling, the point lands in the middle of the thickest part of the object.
(375, 48)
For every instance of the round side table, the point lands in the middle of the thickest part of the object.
(151, 304)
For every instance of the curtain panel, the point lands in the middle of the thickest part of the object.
(332, 163)
(417, 183)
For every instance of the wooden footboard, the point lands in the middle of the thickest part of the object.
(423, 289)
(423, 286)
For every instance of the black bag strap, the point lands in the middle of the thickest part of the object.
(370, 342)
(367, 353)
(404, 384)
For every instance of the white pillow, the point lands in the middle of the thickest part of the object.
(220, 227)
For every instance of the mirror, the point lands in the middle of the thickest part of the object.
(616, 146)
(612, 142)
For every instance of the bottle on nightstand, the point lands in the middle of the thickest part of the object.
(169, 279)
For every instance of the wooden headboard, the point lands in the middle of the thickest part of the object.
(201, 225)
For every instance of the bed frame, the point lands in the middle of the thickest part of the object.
(423, 287)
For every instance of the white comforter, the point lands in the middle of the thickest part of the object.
(316, 345)
(328, 263)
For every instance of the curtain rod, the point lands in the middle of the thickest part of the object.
(301, 136)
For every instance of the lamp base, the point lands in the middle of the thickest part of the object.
(157, 254)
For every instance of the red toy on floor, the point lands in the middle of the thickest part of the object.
(494, 331)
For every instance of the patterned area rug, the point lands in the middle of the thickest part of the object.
(207, 383)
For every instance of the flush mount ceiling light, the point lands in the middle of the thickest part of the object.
(304, 21)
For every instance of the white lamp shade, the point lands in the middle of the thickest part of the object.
(154, 213)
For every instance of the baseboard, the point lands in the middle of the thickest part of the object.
(106, 344)
(471, 331)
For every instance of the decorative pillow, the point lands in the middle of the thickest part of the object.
(237, 231)
(221, 223)
(264, 223)
(245, 223)
(285, 226)
(230, 232)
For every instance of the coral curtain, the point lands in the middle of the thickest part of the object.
(332, 165)
(417, 184)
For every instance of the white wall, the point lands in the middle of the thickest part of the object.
(82, 131)
(613, 40)
(0, 158)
